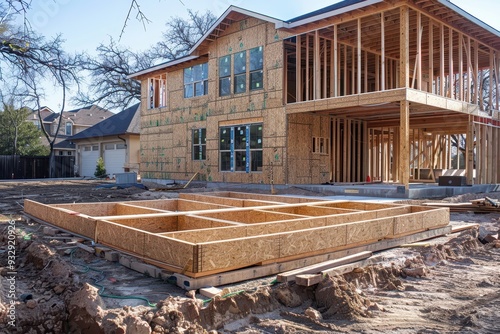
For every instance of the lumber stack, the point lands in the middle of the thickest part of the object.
(204, 234)
(481, 205)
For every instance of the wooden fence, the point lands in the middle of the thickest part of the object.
(21, 167)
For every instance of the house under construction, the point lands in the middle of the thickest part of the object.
(389, 90)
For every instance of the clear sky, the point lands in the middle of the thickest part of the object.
(84, 24)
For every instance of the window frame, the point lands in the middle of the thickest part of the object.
(193, 81)
(199, 140)
(244, 152)
(70, 129)
(157, 91)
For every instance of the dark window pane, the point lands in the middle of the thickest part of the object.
(240, 161)
(224, 66)
(225, 139)
(256, 162)
(197, 72)
(196, 152)
(203, 136)
(256, 59)
(198, 88)
(240, 84)
(188, 75)
(205, 87)
(256, 79)
(224, 86)
(203, 152)
(255, 136)
(240, 138)
(188, 90)
(240, 62)
(225, 161)
(205, 71)
(196, 137)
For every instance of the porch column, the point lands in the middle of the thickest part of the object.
(469, 152)
(404, 144)
(404, 116)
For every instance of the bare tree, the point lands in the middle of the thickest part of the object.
(181, 34)
(27, 60)
(108, 72)
(109, 85)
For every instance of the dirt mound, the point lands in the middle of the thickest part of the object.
(338, 299)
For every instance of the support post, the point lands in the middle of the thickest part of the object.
(404, 142)
(469, 153)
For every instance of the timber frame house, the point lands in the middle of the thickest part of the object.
(377, 89)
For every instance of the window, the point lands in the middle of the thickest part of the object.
(240, 72)
(69, 128)
(241, 148)
(157, 91)
(320, 145)
(109, 147)
(121, 146)
(196, 80)
(199, 144)
(256, 65)
(37, 124)
(225, 76)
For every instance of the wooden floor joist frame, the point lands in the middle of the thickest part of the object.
(199, 235)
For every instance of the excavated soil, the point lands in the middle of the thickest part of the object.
(449, 285)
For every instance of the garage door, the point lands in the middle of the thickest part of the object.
(89, 157)
(114, 158)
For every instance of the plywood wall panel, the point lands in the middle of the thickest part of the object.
(367, 231)
(173, 252)
(120, 236)
(238, 253)
(312, 240)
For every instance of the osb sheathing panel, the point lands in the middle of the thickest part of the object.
(62, 218)
(193, 222)
(271, 198)
(238, 253)
(368, 231)
(312, 210)
(251, 216)
(91, 209)
(161, 204)
(125, 209)
(360, 205)
(153, 224)
(213, 199)
(123, 237)
(408, 223)
(312, 240)
(172, 252)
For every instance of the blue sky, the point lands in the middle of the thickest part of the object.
(84, 24)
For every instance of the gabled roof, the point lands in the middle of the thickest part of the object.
(233, 14)
(124, 122)
(88, 115)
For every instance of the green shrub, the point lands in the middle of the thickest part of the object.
(100, 170)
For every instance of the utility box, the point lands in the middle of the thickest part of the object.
(122, 178)
(452, 181)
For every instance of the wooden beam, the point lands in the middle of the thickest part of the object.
(404, 53)
(298, 70)
(451, 77)
(335, 62)
(441, 65)
(317, 66)
(358, 56)
(404, 138)
(469, 153)
(289, 276)
(420, 30)
(382, 42)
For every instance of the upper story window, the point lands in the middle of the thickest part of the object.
(157, 91)
(246, 64)
(69, 129)
(196, 80)
(240, 72)
(225, 75)
(37, 124)
(256, 66)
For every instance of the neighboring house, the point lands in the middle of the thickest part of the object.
(115, 139)
(44, 113)
(373, 89)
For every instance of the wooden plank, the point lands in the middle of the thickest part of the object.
(290, 276)
(308, 279)
(190, 283)
(298, 72)
(404, 141)
(404, 53)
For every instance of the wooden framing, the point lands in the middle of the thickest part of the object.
(389, 84)
(204, 234)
